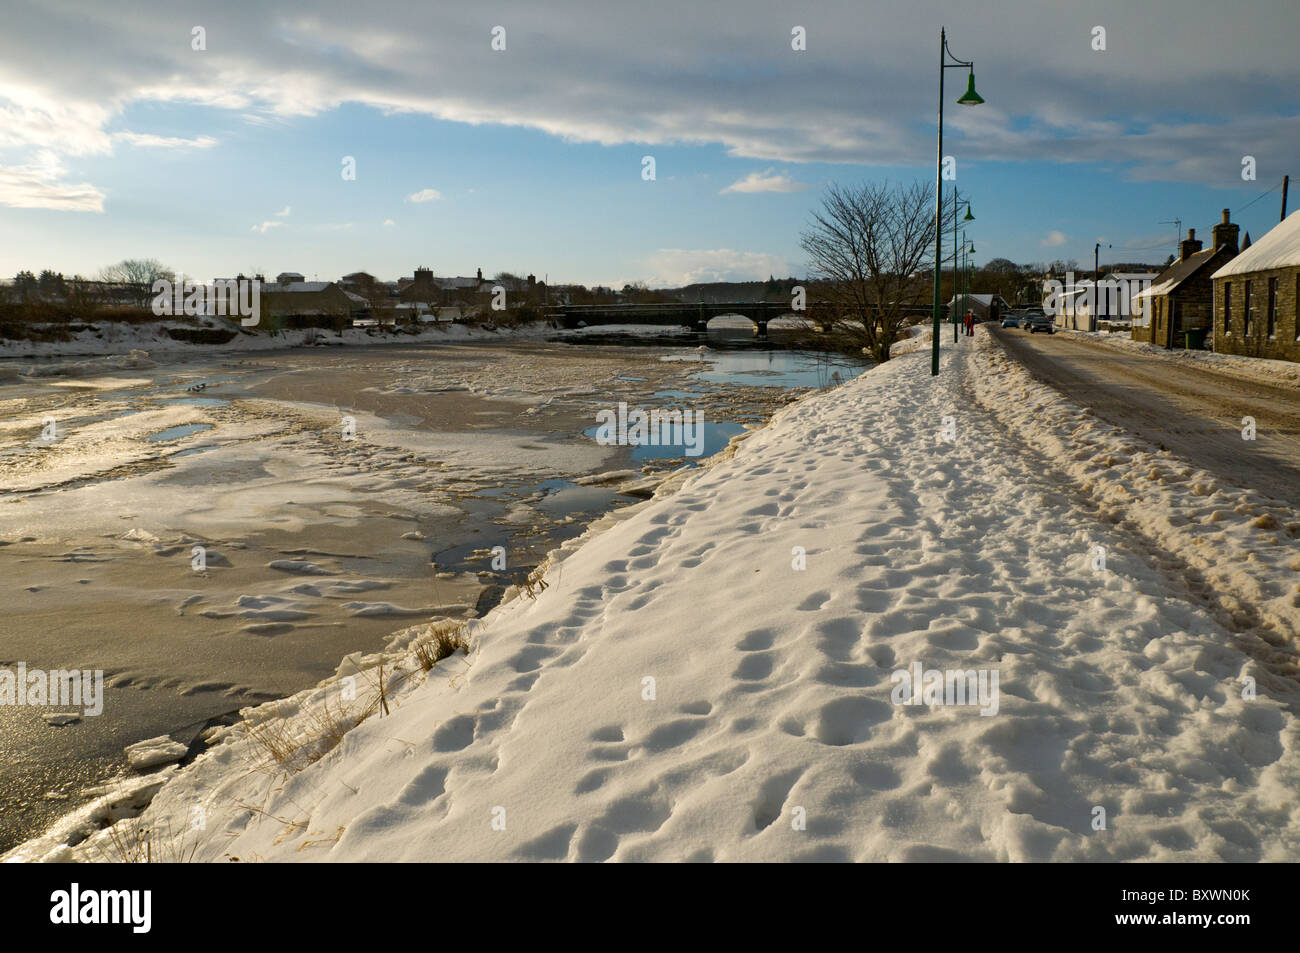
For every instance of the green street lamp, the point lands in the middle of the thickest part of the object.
(957, 202)
(970, 98)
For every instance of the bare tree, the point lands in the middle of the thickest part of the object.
(140, 272)
(872, 247)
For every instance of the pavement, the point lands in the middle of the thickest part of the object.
(1193, 412)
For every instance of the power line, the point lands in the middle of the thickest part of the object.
(1256, 199)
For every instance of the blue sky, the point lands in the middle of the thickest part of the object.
(228, 159)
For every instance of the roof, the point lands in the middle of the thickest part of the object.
(984, 300)
(1279, 248)
(1173, 276)
(296, 287)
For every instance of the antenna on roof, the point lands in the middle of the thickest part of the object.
(1178, 228)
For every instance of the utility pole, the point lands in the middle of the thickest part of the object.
(1096, 287)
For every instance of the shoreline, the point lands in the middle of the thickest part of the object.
(203, 694)
(770, 693)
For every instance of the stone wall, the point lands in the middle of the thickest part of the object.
(1283, 345)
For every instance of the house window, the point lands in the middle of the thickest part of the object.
(1245, 311)
(1272, 307)
(1227, 307)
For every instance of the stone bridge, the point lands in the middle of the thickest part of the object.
(697, 316)
(694, 316)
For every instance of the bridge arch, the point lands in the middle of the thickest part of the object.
(731, 322)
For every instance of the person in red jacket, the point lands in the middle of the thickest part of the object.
(970, 323)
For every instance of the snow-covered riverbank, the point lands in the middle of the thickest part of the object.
(109, 338)
(714, 676)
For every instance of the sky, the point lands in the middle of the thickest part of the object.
(215, 136)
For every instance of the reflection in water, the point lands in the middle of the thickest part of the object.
(772, 368)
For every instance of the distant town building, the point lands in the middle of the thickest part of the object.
(1179, 307)
(1256, 296)
(289, 278)
(986, 307)
(364, 284)
(1092, 305)
(304, 303)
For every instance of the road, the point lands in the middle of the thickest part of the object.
(1192, 412)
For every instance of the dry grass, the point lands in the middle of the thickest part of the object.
(296, 742)
(445, 639)
(532, 586)
(130, 842)
(300, 740)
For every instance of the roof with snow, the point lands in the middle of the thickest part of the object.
(983, 300)
(298, 286)
(1132, 275)
(1279, 248)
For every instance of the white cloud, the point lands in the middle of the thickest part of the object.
(768, 181)
(147, 140)
(853, 103)
(389, 221)
(284, 212)
(424, 195)
(266, 226)
(672, 267)
(39, 185)
(1054, 239)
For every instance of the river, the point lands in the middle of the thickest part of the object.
(216, 530)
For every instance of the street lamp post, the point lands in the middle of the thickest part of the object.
(969, 98)
(970, 271)
(968, 218)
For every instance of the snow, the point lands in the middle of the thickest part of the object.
(1263, 370)
(125, 343)
(1277, 248)
(682, 690)
(153, 752)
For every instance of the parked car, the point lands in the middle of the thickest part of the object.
(1040, 322)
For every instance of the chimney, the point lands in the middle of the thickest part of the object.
(1189, 247)
(1225, 234)
(480, 274)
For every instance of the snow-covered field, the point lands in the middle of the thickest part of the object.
(715, 674)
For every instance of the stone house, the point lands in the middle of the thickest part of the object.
(1181, 301)
(1256, 296)
(311, 304)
